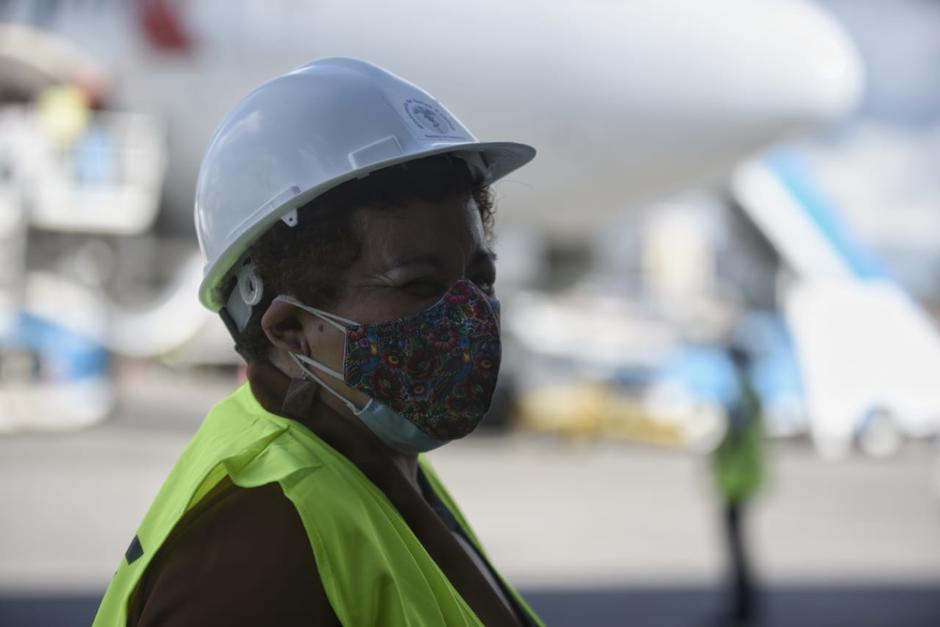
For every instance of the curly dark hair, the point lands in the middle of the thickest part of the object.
(307, 261)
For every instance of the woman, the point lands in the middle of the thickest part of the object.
(346, 219)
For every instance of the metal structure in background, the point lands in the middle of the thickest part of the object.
(75, 180)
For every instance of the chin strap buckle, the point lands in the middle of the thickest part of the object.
(248, 290)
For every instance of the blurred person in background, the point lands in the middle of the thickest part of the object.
(739, 473)
(346, 217)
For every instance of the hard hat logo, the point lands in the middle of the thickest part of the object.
(432, 120)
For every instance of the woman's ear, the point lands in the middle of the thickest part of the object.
(283, 325)
(293, 330)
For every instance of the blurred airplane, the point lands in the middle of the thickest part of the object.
(624, 100)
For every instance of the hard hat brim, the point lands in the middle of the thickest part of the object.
(499, 158)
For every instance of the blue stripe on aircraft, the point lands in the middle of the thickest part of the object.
(823, 212)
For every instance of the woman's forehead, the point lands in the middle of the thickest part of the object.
(452, 228)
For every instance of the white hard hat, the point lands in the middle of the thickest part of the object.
(305, 132)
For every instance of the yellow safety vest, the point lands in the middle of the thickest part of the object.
(738, 459)
(374, 569)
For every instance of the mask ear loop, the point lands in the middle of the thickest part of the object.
(300, 360)
(338, 322)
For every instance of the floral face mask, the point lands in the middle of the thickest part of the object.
(436, 369)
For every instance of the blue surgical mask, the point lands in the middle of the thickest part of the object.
(397, 431)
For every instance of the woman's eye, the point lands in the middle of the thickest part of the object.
(424, 287)
(486, 285)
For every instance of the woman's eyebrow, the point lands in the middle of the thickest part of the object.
(483, 254)
(436, 261)
(415, 260)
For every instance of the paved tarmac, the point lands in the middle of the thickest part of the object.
(667, 606)
(596, 533)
